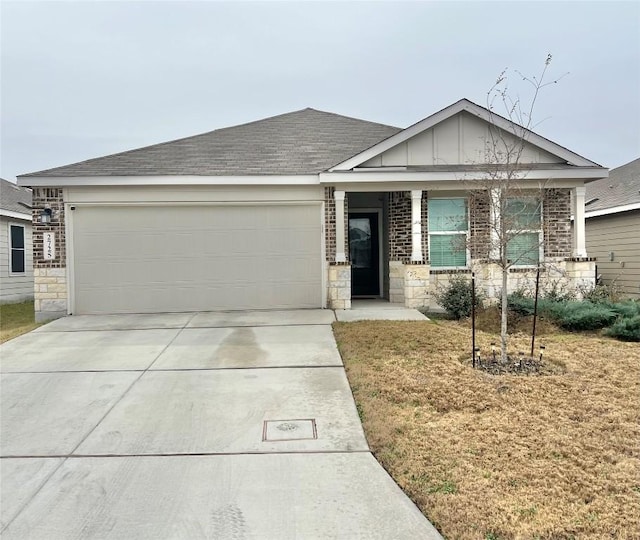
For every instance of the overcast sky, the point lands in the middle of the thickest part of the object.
(87, 79)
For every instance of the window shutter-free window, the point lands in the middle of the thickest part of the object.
(448, 228)
(524, 218)
(16, 234)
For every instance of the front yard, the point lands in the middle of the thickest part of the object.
(508, 456)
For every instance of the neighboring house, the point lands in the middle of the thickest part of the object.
(613, 227)
(257, 216)
(16, 261)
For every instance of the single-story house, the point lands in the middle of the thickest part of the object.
(303, 210)
(613, 227)
(16, 260)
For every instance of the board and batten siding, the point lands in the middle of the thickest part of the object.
(461, 139)
(15, 287)
(617, 237)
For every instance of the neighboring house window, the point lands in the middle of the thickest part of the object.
(16, 235)
(448, 232)
(523, 217)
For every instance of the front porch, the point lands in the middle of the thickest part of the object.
(378, 246)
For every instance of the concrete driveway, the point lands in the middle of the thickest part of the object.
(208, 425)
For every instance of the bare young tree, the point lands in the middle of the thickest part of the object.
(515, 208)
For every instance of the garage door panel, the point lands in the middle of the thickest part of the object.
(152, 259)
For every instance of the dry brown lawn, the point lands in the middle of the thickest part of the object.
(502, 457)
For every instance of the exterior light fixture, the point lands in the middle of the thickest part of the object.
(45, 215)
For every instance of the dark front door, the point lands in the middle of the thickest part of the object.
(364, 254)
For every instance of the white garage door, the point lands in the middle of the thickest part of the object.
(150, 259)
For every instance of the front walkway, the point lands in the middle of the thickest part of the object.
(209, 425)
(378, 310)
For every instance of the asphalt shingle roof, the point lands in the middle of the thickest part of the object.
(301, 142)
(14, 198)
(622, 187)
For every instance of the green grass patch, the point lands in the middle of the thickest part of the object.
(16, 319)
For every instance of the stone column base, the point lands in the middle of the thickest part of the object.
(396, 282)
(50, 293)
(339, 286)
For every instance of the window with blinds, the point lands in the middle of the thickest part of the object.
(448, 221)
(523, 218)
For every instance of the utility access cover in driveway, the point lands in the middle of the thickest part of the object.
(289, 430)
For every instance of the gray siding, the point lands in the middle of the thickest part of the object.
(17, 287)
(618, 234)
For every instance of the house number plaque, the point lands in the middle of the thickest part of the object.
(49, 246)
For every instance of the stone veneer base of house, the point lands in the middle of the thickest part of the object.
(560, 274)
(339, 286)
(416, 285)
(50, 293)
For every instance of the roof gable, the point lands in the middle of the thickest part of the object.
(459, 135)
(301, 142)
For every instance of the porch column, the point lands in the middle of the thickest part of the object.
(341, 256)
(579, 245)
(494, 223)
(416, 225)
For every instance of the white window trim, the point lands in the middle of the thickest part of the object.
(441, 233)
(11, 248)
(529, 231)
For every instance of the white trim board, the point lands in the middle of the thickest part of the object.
(169, 180)
(613, 210)
(15, 215)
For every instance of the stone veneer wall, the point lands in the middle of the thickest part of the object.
(339, 286)
(577, 275)
(556, 209)
(50, 277)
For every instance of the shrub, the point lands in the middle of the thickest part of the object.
(608, 293)
(584, 316)
(520, 304)
(625, 329)
(455, 297)
(557, 291)
(627, 309)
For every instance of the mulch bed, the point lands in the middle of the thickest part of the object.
(516, 365)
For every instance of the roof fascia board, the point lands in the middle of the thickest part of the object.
(14, 215)
(427, 176)
(82, 181)
(612, 210)
(476, 110)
